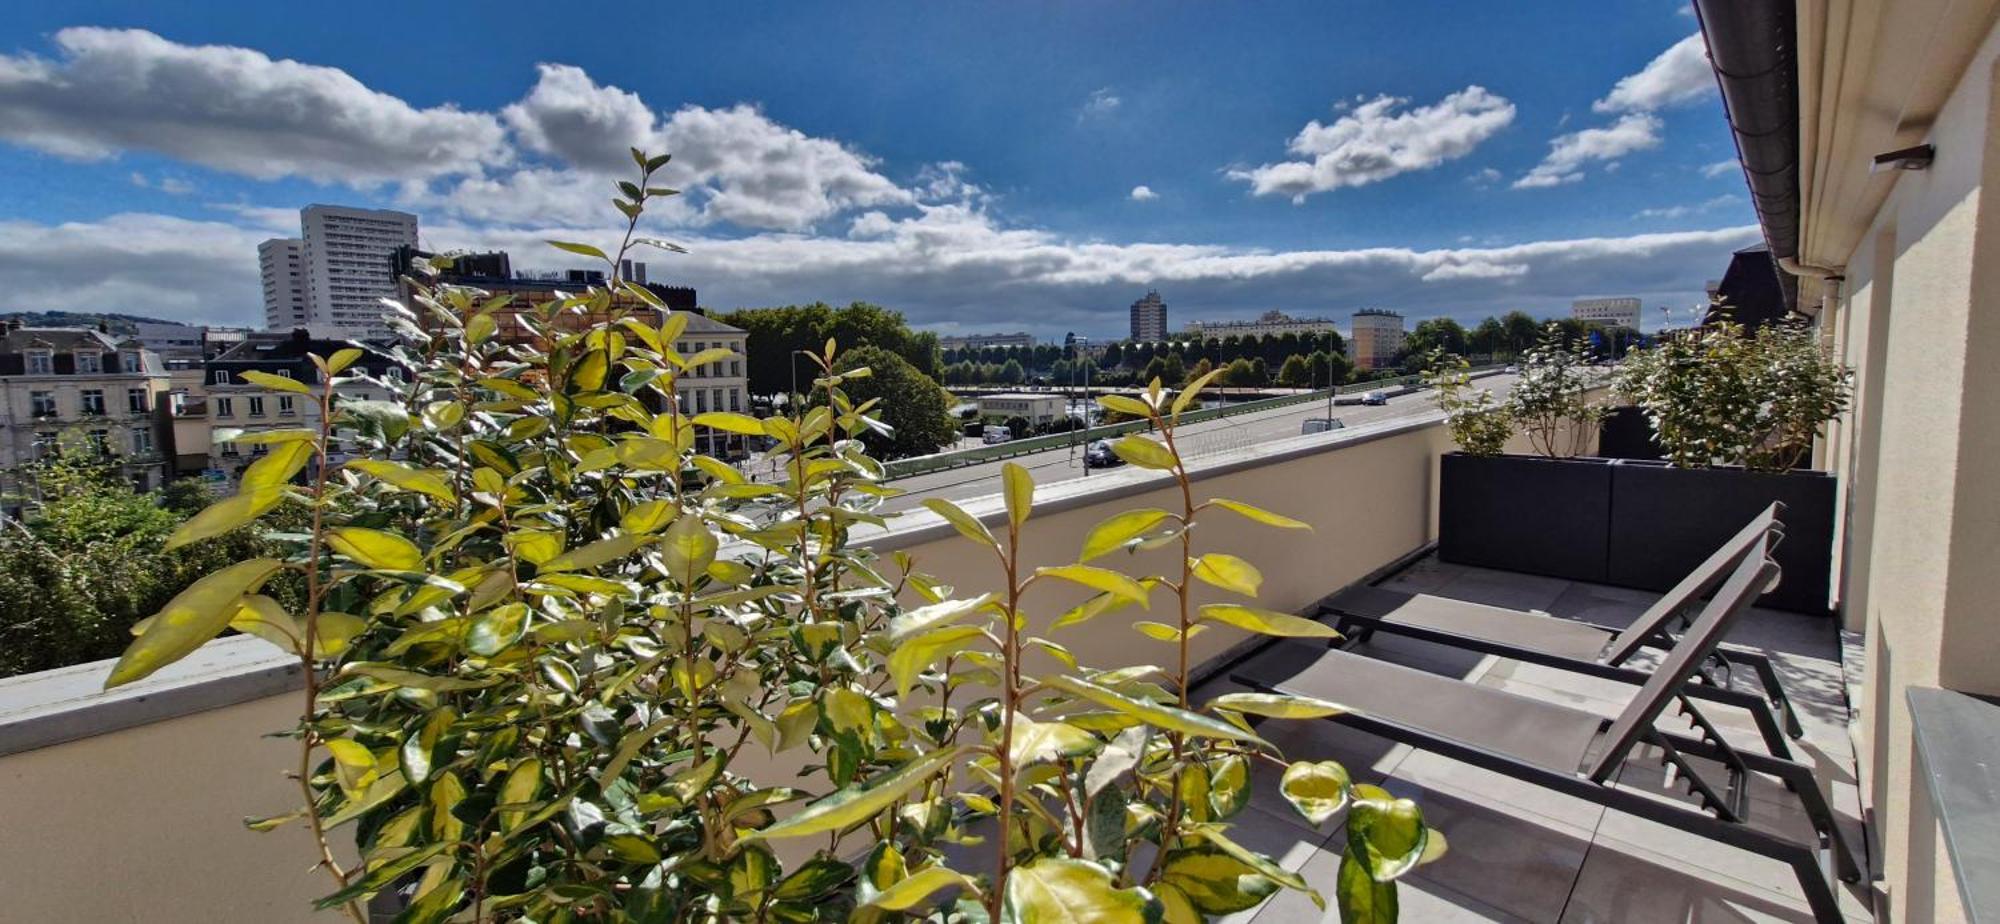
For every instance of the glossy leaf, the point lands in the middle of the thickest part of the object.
(228, 514)
(423, 481)
(1258, 514)
(190, 619)
(1215, 882)
(1099, 579)
(1119, 530)
(1267, 622)
(278, 382)
(965, 523)
(855, 804)
(1388, 831)
(1276, 705)
(1059, 890)
(914, 654)
(1228, 572)
(686, 549)
(374, 548)
(1168, 718)
(731, 423)
(1318, 789)
(908, 892)
(601, 552)
(1020, 491)
(1034, 742)
(1144, 452)
(1363, 900)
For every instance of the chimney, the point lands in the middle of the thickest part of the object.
(638, 273)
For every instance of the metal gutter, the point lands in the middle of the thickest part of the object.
(1753, 49)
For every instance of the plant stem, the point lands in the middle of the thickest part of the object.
(1010, 702)
(308, 738)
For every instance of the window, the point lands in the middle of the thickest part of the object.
(89, 363)
(700, 401)
(258, 449)
(132, 363)
(285, 406)
(225, 407)
(41, 362)
(44, 403)
(219, 377)
(101, 439)
(229, 450)
(287, 373)
(735, 400)
(395, 374)
(93, 401)
(735, 368)
(136, 401)
(257, 405)
(45, 445)
(142, 442)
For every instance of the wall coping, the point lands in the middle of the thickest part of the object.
(67, 704)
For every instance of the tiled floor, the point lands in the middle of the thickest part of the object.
(1522, 853)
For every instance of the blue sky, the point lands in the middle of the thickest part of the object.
(978, 166)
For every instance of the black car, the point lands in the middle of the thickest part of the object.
(1099, 455)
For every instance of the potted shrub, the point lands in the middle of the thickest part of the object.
(1735, 414)
(1544, 513)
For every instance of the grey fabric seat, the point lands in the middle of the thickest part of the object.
(1582, 754)
(1531, 730)
(1600, 651)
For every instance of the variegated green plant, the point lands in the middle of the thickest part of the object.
(545, 643)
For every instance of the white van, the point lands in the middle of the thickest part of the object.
(996, 433)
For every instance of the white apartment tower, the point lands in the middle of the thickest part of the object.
(1378, 336)
(345, 255)
(281, 263)
(1606, 312)
(1149, 319)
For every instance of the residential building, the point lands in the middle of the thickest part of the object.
(230, 401)
(723, 385)
(493, 272)
(186, 345)
(59, 385)
(1752, 292)
(1037, 409)
(1149, 319)
(1607, 312)
(1017, 340)
(344, 255)
(1377, 338)
(1269, 324)
(281, 266)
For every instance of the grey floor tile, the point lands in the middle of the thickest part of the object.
(1511, 859)
(1420, 901)
(1505, 588)
(1624, 883)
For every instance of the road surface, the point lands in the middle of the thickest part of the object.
(1196, 440)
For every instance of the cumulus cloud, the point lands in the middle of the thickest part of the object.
(1569, 154)
(172, 186)
(1143, 193)
(1683, 211)
(939, 263)
(1719, 168)
(1679, 75)
(233, 109)
(1378, 139)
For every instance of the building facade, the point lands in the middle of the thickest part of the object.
(1268, 324)
(1037, 409)
(1018, 340)
(281, 266)
(62, 386)
(1149, 319)
(227, 400)
(723, 385)
(493, 272)
(344, 258)
(1378, 336)
(1607, 312)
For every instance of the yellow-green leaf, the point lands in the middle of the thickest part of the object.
(1060, 890)
(1154, 714)
(521, 785)
(497, 629)
(906, 893)
(731, 422)
(1258, 514)
(417, 681)
(1034, 742)
(265, 618)
(1020, 488)
(190, 619)
(964, 522)
(422, 481)
(1144, 452)
(1120, 529)
(854, 804)
(649, 516)
(278, 467)
(1276, 705)
(911, 656)
(1215, 882)
(594, 554)
(1130, 407)
(1268, 622)
(224, 515)
(1193, 390)
(937, 614)
(278, 382)
(1100, 579)
(376, 549)
(686, 549)
(341, 359)
(1318, 789)
(1388, 832)
(353, 766)
(1229, 573)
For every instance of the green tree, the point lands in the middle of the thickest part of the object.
(1439, 334)
(915, 407)
(1522, 333)
(1488, 339)
(1011, 373)
(777, 335)
(1295, 373)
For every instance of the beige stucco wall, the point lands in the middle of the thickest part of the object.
(1922, 456)
(145, 824)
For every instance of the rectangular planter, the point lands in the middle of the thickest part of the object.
(1665, 520)
(1526, 513)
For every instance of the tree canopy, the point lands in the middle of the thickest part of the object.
(912, 403)
(777, 333)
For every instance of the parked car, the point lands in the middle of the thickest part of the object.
(1513, 370)
(997, 434)
(1320, 425)
(1099, 455)
(1375, 398)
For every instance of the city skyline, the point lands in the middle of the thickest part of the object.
(1428, 170)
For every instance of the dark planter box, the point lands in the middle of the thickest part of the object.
(1665, 520)
(1526, 513)
(1625, 433)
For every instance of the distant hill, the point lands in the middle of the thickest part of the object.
(118, 323)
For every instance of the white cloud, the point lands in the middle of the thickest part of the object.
(1102, 102)
(1375, 141)
(1719, 168)
(1484, 177)
(1680, 74)
(1683, 211)
(571, 117)
(1569, 154)
(233, 109)
(1144, 193)
(943, 264)
(172, 186)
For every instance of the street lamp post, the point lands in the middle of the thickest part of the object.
(1083, 356)
(1329, 376)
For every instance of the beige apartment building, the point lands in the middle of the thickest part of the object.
(60, 384)
(1377, 336)
(723, 385)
